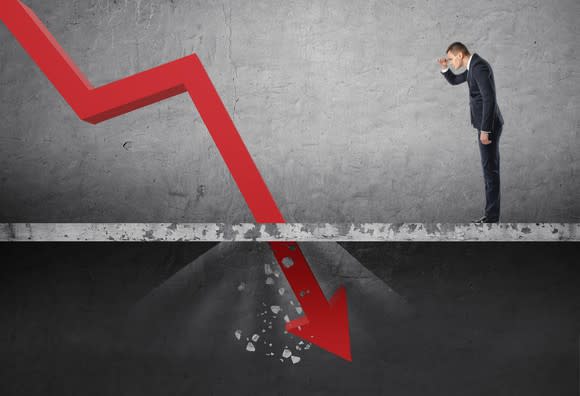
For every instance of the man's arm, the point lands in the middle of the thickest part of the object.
(454, 79)
(482, 76)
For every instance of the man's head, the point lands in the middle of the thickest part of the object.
(457, 55)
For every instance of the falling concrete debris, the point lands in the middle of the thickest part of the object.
(286, 318)
(277, 274)
(255, 337)
(269, 281)
(281, 291)
(295, 359)
(275, 309)
(250, 347)
(286, 353)
(299, 310)
(307, 346)
(268, 269)
(242, 286)
(238, 334)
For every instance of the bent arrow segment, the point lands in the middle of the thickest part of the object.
(326, 323)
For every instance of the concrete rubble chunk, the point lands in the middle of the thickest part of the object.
(255, 337)
(267, 269)
(238, 334)
(269, 281)
(275, 308)
(295, 359)
(286, 353)
(250, 347)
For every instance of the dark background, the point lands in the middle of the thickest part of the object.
(486, 319)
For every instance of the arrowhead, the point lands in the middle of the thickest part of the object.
(328, 330)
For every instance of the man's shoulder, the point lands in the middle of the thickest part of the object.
(477, 62)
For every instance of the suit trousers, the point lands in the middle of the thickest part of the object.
(490, 164)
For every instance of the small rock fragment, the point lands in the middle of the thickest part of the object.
(267, 269)
(295, 359)
(250, 347)
(286, 353)
(269, 281)
(242, 286)
(255, 337)
(281, 291)
(275, 308)
(286, 318)
(299, 310)
(238, 334)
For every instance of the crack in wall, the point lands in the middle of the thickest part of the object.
(228, 25)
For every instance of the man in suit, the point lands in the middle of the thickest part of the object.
(485, 117)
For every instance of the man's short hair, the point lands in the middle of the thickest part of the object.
(458, 47)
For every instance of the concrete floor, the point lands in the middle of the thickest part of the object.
(160, 318)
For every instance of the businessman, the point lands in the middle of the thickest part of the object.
(485, 117)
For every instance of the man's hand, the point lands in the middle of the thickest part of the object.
(443, 63)
(484, 137)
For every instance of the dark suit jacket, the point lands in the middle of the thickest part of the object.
(485, 114)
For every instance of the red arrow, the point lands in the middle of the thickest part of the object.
(326, 324)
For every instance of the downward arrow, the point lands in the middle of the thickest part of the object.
(325, 323)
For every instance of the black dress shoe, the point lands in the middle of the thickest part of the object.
(485, 219)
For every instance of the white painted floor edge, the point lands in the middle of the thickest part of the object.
(304, 232)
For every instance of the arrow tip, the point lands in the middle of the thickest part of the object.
(328, 330)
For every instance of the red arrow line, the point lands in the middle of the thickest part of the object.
(326, 324)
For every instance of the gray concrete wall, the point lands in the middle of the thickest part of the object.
(340, 103)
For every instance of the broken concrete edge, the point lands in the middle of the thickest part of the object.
(301, 232)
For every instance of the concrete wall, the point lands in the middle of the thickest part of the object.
(340, 103)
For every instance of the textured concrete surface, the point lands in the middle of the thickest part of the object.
(151, 319)
(340, 103)
(218, 232)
